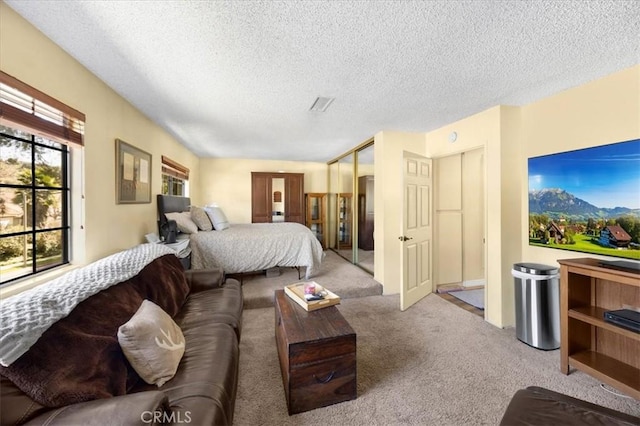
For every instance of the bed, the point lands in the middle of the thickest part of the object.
(248, 247)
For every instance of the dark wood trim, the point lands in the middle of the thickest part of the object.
(172, 168)
(27, 120)
(43, 97)
(39, 126)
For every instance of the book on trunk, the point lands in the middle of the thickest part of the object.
(316, 296)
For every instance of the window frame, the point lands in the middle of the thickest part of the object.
(33, 188)
(27, 109)
(172, 173)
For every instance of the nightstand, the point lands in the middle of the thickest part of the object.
(183, 251)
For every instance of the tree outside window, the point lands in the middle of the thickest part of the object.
(34, 226)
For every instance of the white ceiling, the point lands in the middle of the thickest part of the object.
(236, 79)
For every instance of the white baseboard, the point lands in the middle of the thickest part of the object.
(473, 283)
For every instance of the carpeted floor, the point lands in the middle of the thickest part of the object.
(472, 297)
(336, 274)
(434, 364)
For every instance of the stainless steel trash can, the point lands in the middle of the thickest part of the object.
(537, 297)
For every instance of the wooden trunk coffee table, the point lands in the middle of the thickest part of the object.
(317, 352)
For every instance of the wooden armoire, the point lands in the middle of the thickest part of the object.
(262, 196)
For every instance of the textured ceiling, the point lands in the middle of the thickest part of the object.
(236, 79)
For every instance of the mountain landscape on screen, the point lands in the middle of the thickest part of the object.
(558, 203)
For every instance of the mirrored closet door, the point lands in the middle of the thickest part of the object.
(351, 206)
(365, 208)
(344, 240)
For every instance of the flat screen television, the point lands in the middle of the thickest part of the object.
(587, 200)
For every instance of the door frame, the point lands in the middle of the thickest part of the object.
(485, 218)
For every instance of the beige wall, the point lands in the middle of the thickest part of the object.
(511, 235)
(598, 113)
(482, 130)
(227, 182)
(601, 112)
(28, 55)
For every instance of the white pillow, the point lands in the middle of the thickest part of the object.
(184, 222)
(152, 343)
(217, 217)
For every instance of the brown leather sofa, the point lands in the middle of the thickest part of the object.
(206, 307)
(536, 406)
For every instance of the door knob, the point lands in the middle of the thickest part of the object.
(403, 238)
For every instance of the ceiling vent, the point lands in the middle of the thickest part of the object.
(321, 104)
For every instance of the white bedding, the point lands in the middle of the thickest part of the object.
(252, 247)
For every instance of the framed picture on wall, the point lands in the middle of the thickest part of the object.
(133, 174)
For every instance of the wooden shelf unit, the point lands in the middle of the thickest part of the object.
(345, 220)
(316, 219)
(588, 343)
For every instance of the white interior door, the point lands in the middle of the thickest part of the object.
(417, 252)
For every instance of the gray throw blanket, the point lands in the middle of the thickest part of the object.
(26, 316)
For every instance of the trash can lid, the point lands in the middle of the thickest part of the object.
(535, 268)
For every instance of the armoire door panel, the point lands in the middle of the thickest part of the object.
(261, 197)
(294, 198)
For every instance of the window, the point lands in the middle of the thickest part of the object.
(36, 136)
(175, 178)
(34, 222)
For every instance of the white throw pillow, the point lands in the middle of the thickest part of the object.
(184, 222)
(217, 217)
(152, 343)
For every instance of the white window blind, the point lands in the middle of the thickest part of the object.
(171, 168)
(25, 107)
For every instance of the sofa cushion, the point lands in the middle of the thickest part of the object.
(535, 406)
(152, 343)
(142, 408)
(205, 384)
(79, 357)
(222, 305)
(16, 406)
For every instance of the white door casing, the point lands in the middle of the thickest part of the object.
(417, 237)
